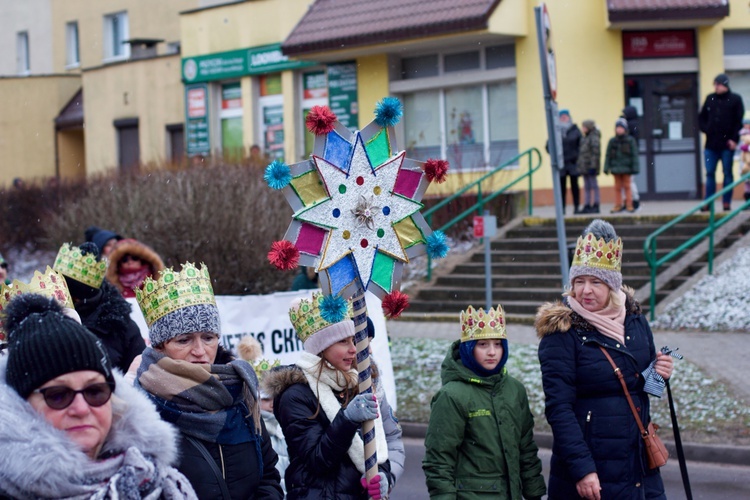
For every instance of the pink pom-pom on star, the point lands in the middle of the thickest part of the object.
(283, 255)
(394, 304)
(436, 170)
(320, 120)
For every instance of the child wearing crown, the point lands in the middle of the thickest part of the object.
(480, 439)
(320, 411)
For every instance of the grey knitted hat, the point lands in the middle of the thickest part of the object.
(190, 319)
(598, 253)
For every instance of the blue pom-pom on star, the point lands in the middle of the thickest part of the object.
(388, 112)
(437, 246)
(333, 308)
(278, 175)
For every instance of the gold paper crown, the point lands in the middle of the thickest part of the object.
(174, 290)
(306, 317)
(477, 324)
(71, 262)
(262, 366)
(593, 252)
(49, 284)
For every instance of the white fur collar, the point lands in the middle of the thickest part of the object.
(322, 388)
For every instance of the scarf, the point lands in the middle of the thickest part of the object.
(323, 388)
(207, 402)
(610, 321)
(134, 279)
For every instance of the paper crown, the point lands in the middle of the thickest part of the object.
(49, 284)
(593, 252)
(307, 316)
(71, 262)
(478, 324)
(174, 290)
(262, 366)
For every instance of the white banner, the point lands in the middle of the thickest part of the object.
(266, 317)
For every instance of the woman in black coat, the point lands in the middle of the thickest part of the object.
(597, 452)
(208, 395)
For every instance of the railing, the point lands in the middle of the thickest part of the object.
(483, 198)
(649, 246)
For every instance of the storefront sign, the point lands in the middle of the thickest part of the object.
(646, 44)
(237, 63)
(196, 120)
(342, 93)
(315, 85)
(273, 124)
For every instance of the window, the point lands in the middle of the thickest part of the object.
(23, 65)
(419, 67)
(231, 121)
(115, 34)
(72, 55)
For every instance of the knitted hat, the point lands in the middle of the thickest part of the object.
(598, 253)
(43, 344)
(564, 112)
(100, 237)
(621, 122)
(589, 124)
(313, 324)
(722, 79)
(178, 303)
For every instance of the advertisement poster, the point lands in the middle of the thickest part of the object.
(196, 120)
(273, 126)
(342, 93)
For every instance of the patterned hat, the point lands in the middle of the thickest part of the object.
(598, 253)
(80, 265)
(478, 324)
(315, 331)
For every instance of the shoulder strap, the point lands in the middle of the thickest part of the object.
(212, 464)
(618, 374)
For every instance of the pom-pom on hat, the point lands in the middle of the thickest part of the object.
(178, 303)
(598, 253)
(317, 325)
(476, 324)
(43, 343)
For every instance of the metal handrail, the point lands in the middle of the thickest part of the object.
(649, 245)
(478, 207)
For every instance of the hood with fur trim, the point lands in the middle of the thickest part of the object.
(556, 316)
(277, 380)
(38, 459)
(136, 248)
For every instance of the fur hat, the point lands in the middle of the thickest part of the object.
(43, 343)
(598, 253)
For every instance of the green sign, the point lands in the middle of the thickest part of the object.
(196, 120)
(342, 93)
(237, 63)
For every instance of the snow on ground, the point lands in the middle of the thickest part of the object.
(718, 302)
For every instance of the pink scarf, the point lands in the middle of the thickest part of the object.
(133, 279)
(610, 321)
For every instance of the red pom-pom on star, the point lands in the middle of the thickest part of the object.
(320, 120)
(283, 255)
(436, 170)
(395, 303)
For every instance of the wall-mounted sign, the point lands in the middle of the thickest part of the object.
(342, 93)
(648, 44)
(196, 120)
(237, 63)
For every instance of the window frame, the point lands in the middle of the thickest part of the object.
(110, 54)
(23, 53)
(72, 45)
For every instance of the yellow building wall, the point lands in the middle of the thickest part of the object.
(71, 154)
(147, 89)
(372, 85)
(27, 141)
(511, 17)
(159, 19)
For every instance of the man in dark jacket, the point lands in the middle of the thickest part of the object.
(571, 141)
(630, 113)
(721, 120)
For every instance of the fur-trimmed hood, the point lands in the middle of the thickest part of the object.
(557, 316)
(43, 462)
(136, 248)
(277, 380)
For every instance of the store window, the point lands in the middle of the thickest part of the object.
(72, 52)
(737, 60)
(116, 31)
(473, 126)
(23, 64)
(314, 93)
(230, 117)
(271, 105)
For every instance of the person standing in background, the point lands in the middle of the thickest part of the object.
(571, 141)
(621, 160)
(589, 165)
(630, 113)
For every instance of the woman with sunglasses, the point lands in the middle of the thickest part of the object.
(69, 427)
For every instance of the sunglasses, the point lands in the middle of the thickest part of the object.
(60, 397)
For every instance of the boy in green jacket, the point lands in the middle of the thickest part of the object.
(622, 161)
(480, 439)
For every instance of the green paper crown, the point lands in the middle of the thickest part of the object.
(306, 318)
(85, 269)
(262, 366)
(174, 290)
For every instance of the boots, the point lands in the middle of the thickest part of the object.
(594, 209)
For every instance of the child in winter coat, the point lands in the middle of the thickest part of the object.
(589, 157)
(621, 160)
(745, 155)
(130, 263)
(480, 439)
(320, 409)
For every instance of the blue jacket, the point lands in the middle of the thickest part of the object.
(592, 425)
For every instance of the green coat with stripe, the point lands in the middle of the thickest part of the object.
(480, 439)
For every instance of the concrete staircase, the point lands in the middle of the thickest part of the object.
(526, 265)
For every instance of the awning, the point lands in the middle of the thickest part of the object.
(71, 115)
(337, 24)
(700, 11)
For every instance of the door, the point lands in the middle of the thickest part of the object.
(668, 135)
(128, 144)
